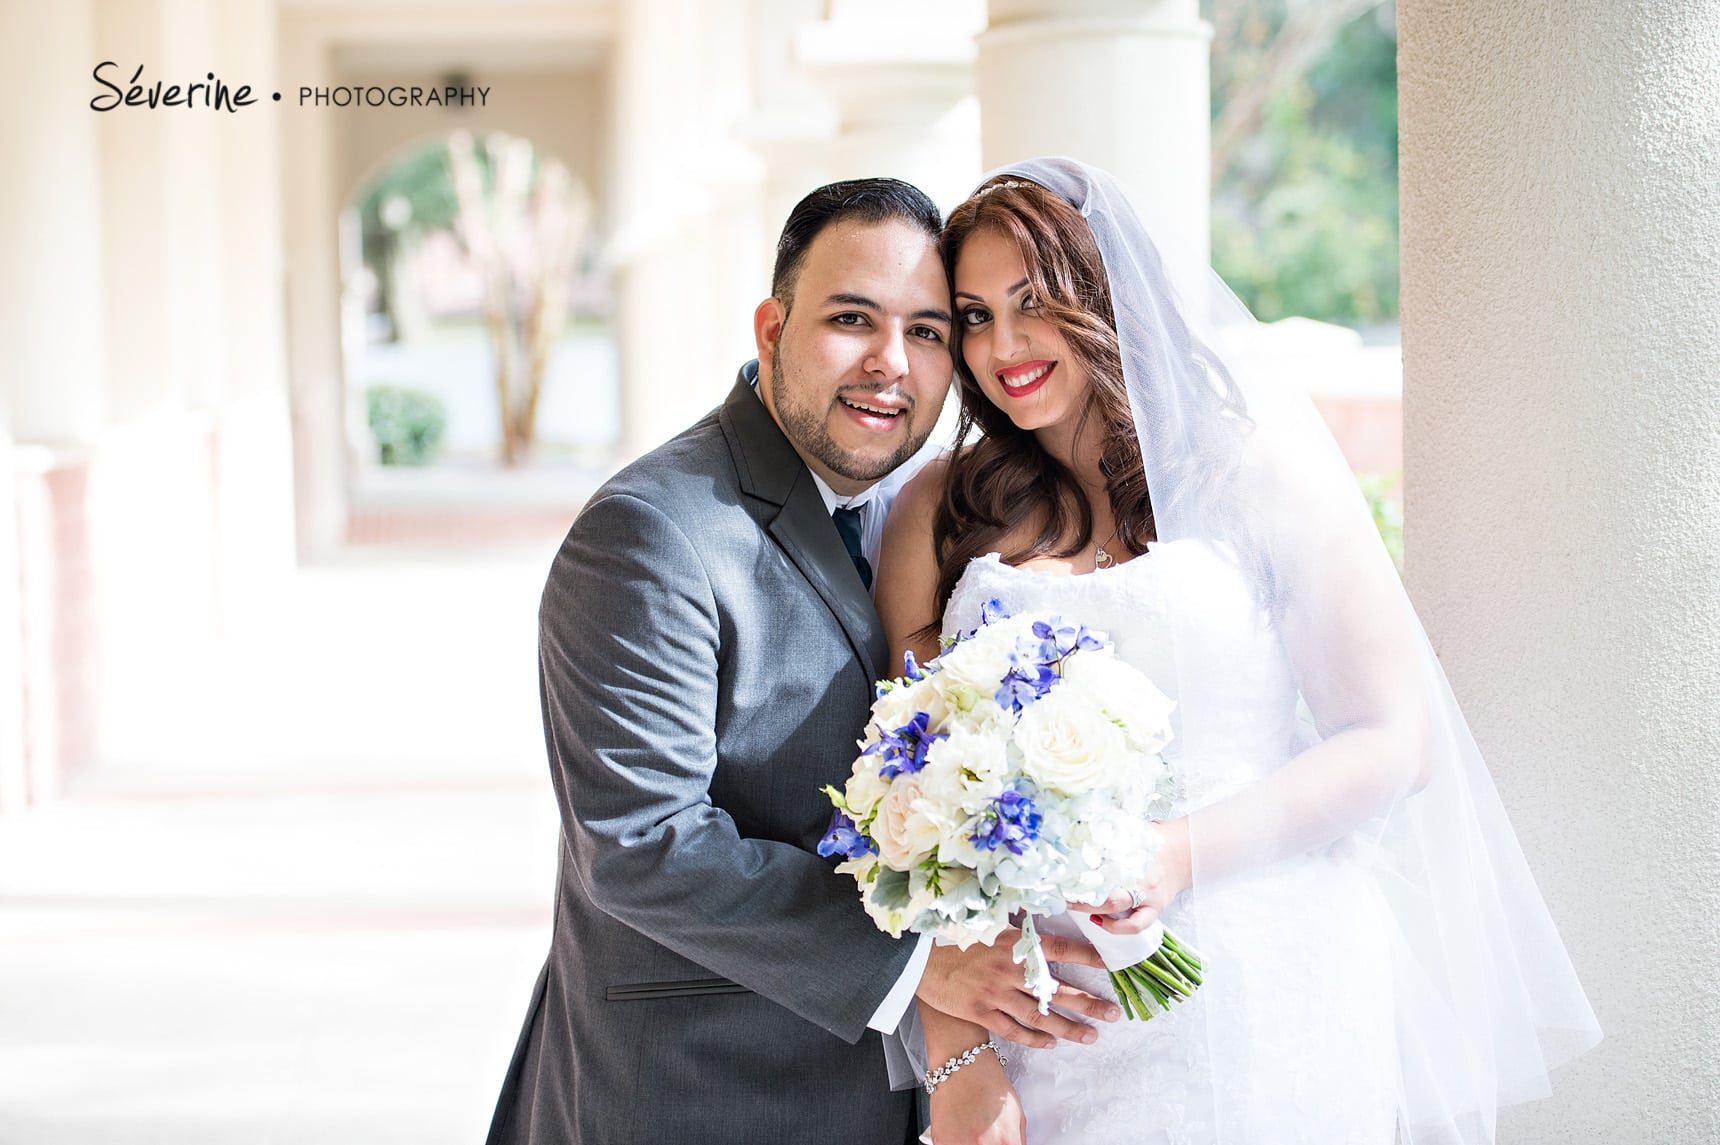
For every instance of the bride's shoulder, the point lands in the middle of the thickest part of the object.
(916, 503)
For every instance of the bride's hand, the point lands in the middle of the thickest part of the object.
(1169, 877)
(978, 1106)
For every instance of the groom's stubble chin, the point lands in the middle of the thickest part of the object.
(806, 423)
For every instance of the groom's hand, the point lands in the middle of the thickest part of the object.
(984, 984)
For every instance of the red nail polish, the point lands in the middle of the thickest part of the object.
(1098, 920)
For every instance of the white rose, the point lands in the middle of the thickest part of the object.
(975, 667)
(903, 830)
(1126, 693)
(1068, 744)
(864, 788)
(897, 707)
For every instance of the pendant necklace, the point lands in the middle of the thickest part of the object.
(1101, 558)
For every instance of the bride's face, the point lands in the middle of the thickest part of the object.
(1020, 360)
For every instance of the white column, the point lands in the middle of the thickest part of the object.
(254, 528)
(684, 238)
(791, 120)
(192, 208)
(1121, 84)
(52, 385)
(51, 305)
(1561, 229)
(311, 205)
(904, 105)
(142, 260)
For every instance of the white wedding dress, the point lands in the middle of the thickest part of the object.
(1291, 1038)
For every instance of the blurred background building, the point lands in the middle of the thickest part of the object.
(248, 355)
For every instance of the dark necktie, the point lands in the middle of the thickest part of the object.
(848, 524)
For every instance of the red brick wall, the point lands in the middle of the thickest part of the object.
(1369, 431)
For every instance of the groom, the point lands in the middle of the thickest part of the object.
(707, 650)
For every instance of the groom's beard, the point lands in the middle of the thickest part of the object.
(808, 428)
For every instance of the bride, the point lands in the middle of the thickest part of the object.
(1379, 967)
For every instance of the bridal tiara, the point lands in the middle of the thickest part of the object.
(984, 191)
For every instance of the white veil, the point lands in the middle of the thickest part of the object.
(1380, 770)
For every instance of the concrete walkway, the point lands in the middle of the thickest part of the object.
(317, 921)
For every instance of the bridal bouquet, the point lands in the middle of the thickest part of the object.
(1014, 774)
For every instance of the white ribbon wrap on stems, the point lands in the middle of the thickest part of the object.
(1119, 951)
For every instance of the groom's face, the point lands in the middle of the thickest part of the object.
(855, 366)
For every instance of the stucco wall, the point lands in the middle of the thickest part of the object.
(1561, 335)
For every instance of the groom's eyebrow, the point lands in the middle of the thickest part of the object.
(862, 301)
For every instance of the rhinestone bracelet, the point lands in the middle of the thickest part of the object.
(944, 1072)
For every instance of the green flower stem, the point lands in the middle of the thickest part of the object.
(1182, 948)
(1122, 998)
(1171, 979)
(1129, 996)
(1172, 973)
(1148, 983)
(1189, 968)
(1144, 988)
(1185, 958)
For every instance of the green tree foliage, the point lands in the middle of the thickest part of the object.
(420, 179)
(1305, 209)
(1386, 509)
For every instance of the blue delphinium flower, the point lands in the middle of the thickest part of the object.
(1011, 821)
(904, 749)
(1037, 662)
(1025, 682)
(911, 667)
(844, 838)
(990, 612)
(1060, 639)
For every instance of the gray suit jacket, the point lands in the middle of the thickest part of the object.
(706, 659)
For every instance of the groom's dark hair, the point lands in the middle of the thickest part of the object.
(869, 201)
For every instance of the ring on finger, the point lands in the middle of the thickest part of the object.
(1135, 900)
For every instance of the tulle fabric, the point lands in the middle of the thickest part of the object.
(1379, 771)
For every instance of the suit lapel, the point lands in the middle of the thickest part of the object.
(773, 472)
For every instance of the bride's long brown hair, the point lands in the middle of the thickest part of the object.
(1003, 477)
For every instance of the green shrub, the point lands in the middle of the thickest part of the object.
(407, 424)
(1388, 514)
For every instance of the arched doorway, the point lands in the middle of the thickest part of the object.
(480, 377)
